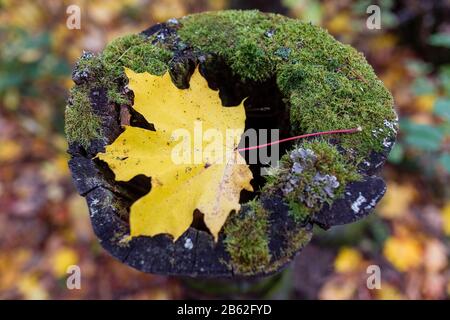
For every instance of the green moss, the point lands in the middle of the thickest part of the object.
(298, 211)
(246, 239)
(115, 96)
(237, 36)
(137, 53)
(254, 60)
(324, 100)
(82, 125)
(297, 239)
(91, 64)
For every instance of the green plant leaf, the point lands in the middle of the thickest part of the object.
(422, 86)
(396, 154)
(444, 78)
(440, 40)
(423, 137)
(442, 108)
(444, 160)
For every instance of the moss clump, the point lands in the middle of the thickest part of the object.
(298, 238)
(298, 211)
(325, 100)
(240, 37)
(246, 239)
(137, 53)
(82, 125)
(106, 70)
(312, 174)
(117, 97)
(254, 60)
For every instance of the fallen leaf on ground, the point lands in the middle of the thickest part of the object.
(405, 252)
(339, 288)
(425, 102)
(348, 260)
(62, 259)
(388, 292)
(31, 289)
(435, 256)
(446, 219)
(397, 200)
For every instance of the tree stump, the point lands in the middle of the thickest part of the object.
(297, 79)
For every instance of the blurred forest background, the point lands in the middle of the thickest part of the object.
(44, 224)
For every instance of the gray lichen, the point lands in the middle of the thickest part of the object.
(310, 175)
(321, 187)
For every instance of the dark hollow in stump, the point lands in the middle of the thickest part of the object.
(276, 234)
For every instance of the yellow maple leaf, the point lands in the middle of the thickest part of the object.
(10, 150)
(348, 260)
(397, 200)
(339, 288)
(405, 253)
(388, 292)
(382, 42)
(446, 219)
(62, 259)
(187, 172)
(425, 102)
(31, 288)
(340, 24)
